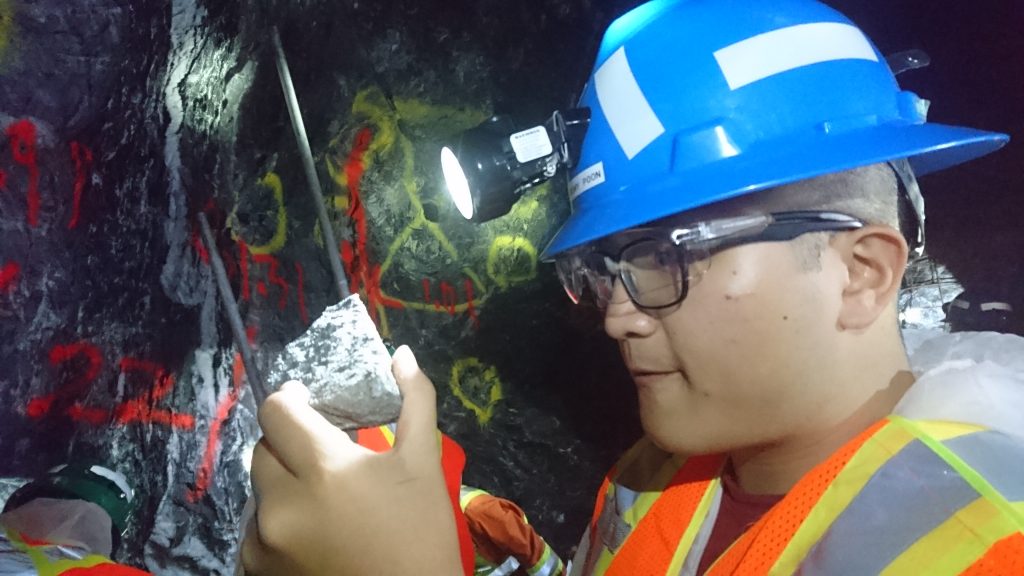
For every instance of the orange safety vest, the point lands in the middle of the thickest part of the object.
(903, 497)
(50, 559)
(453, 460)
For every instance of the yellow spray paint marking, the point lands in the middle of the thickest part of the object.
(392, 146)
(6, 27)
(273, 182)
(477, 386)
(511, 260)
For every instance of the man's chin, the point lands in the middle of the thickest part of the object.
(681, 440)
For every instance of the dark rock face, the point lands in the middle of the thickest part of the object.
(119, 121)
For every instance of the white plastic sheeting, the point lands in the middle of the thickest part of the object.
(972, 377)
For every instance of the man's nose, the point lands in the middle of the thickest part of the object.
(622, 319)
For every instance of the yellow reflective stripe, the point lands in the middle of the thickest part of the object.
(643, 504)
(943, 431)
(61, 566)
(957, 543)
(686, 542)
(652, 491)
(464, 499)
(548, 562)
(603, 561)
(977, 481)
(389, 434)
(540, 563)
(482, 565)
(875, 452)
(46, 567)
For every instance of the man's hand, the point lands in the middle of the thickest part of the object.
(329, 506)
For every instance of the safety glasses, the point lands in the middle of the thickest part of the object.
(658, 265)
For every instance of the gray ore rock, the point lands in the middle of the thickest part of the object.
(342, 360)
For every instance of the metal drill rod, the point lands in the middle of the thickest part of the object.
(227, 298)
(299, 128)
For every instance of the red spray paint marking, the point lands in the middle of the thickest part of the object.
(209, 463)
(301, 291)
(204, 476)
(199, 247)
(143, 408)
(82, 158)
(3, 180)
(362, 273)
(77, 386)
(470, 309)
(426, 290)
(9, 276)
(243, 266)
(23, 149)
(273, 277)
(449, 299)
(140, 409)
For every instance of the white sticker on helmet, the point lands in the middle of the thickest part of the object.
(115, 477)
(531, 144)
(629, 115)
(786, 49)
(586, 180)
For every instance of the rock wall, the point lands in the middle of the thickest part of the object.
(121, 120)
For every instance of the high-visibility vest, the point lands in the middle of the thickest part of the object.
(903, 497)
(453, 461)
(548, 564)
(22, 555)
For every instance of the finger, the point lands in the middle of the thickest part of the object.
(296, 388)
(268, 474)
(254, 554)
(301, 438)
(417, 422)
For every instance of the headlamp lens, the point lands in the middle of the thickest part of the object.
(458, 185)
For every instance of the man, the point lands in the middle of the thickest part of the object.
(69, 521)
(982, 311)
(503, 540)
(495, 537)
(743, 210)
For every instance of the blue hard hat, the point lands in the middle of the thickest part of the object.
(697, 101)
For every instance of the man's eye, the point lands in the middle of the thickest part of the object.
(664, 258)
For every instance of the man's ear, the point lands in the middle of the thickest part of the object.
(875, 258)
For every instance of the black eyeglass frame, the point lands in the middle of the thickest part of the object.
(707, 237)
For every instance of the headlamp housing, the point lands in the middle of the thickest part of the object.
(488, 167)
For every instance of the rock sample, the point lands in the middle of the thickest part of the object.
(344, 363)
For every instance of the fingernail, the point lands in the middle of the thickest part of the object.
(404, 359)
(297, 389)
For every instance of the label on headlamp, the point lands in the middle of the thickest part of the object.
(531, 144)
(586, 180)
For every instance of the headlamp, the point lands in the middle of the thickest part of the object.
(487, 168)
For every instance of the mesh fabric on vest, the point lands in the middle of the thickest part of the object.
(1004, 557)
(760, 547)
(651, 545)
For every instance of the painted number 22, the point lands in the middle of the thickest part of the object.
(82, 362)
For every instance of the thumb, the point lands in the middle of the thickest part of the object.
(417, 422)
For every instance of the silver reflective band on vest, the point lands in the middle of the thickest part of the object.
(895, 487)
(939, 489)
